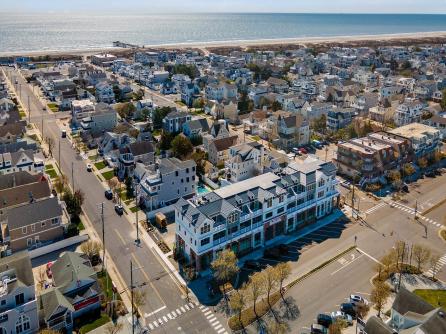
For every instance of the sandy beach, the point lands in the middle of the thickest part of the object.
(438, 37)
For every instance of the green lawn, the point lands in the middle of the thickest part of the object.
(93, 157)
(22, 115)
(100, 165)
(102, 280)
(128, 201)
(437, 298)
(53, 107)
(108, 175)
(256, 138)
(49, 166)
(180, 103)
(52, 173)
(134, 209)
(95, 324)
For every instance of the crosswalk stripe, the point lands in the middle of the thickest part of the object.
(178, 311)
(182, 309)
(208, 312)
(165, 319)
(187, 307)
(220, 330)
(170, 316)
(205, 309)
(217, 326)
(214, 323)
(151, 326)
(160, 321)
(156, 324)
(201, 307)
(192, 305)
(211, 317)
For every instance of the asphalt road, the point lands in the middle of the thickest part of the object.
(162, 292)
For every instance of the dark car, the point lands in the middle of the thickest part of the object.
(272, 253)
(430, 173)
(252, 264)
(349, 308)
(318, 329)
(283, 249)
(324, 320)
(108, 194)
(119, 209)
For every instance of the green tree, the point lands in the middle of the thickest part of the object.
(255, 289)
(74, 201)
(158, 116)
(61, 183)
(181, 146)
(422, 163)
(408, 169)
(199, 157)
(245, 105)
(276, 105)
(319, 124)
(129, 187)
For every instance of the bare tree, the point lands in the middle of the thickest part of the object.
(139, 299)
(421, 255)
(60, 183)
(283, 271)
(91, 248)
(379, 295)
(270, 278)
(337, 326)
(435, 264)
(113, 184)
(237, 302)
(255, 289)
(114, 327)
(224, 268)
(276, 327)
(50, 142)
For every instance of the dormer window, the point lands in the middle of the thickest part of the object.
(206, 228)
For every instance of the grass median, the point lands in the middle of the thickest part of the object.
(108, 175)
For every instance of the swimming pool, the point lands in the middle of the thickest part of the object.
(202, 189)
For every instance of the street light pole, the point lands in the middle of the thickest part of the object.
(416, 208)
(29, 111)
(72, 176)
(103, 236)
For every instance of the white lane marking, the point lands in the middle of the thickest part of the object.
(347, 264)
(208, 312)
(154, 312)
(368, 255)
(182, 309)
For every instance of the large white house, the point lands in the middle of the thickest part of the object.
(408, 112)
(252, 213)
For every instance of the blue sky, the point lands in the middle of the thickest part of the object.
(326, 6)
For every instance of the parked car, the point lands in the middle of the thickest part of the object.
(64, 133)
(349, 309)
(318, 329)
(341, 315)
(108, 194)
(273, 253)
(89, 167)
(119, 209)
(303, 150)
(430, 173)
(355, 299)
(283, 249)
(324, 320)
(252, 264)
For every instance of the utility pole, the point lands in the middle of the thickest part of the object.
(137, 241)
(416, 208)
(59, 155)
(103, 236)
(72, 176)
(29, 111)
(131, 295)
(326, 153)
(41, 127)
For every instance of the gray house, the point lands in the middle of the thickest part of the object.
(103, 119)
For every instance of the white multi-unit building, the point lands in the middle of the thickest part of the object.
(245, 161)
(253, 213)
(408, 112)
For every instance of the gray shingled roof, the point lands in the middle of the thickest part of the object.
(376, 326)
(28, 214)
(407, 301)
(70, 267)
(21, 264)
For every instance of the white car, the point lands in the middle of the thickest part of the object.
(341, 315)
(89, 168)
(358, 300)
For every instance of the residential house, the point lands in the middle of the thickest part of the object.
(316, 110)
(18, 310)
(75, 293)
(277, 85)
(245, 161)
(438, 122)
(104, 118)
(165, 182)
(410, 314)
(12, 132)
(21, 160)
(255, 212)
(221, 91)
(190, 93)
(6, 105)
(293, 130)
(175, 120)
(218, 151)
(138, 152)
(339, 118)
(81, 109)
(104, 92)
(408, 112)
(33, 224)
(103, 59)
(196, 128)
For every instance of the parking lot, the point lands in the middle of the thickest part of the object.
(294, 249)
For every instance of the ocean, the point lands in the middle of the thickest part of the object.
(25, 32)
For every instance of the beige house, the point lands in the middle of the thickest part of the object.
(219, 149)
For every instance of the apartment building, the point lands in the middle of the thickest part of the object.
(165, 182)
(339, 118)
(81, 109)
(245, 161)
(252, 213)
(18, 304)
(425, 139)
(372, 156)
(408, 112)
(175, 120)
(104, 118)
